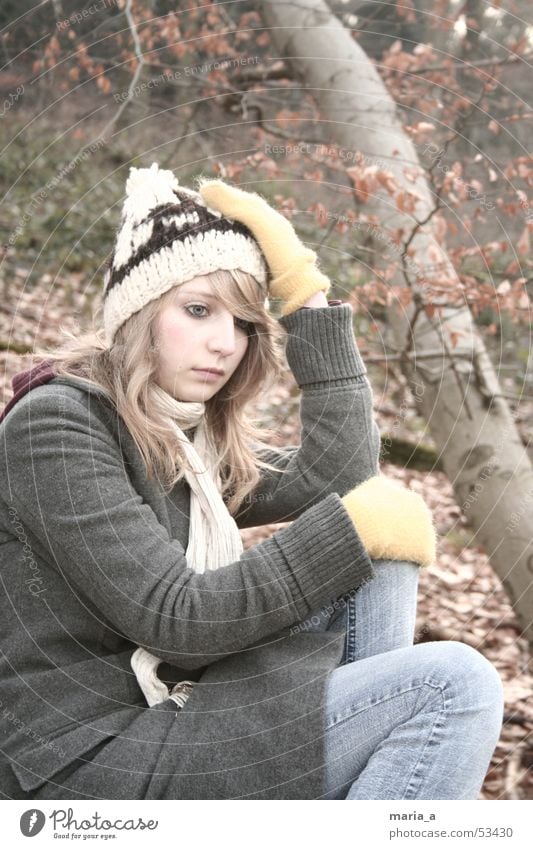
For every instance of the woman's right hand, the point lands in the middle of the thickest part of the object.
(393, 522)
(293, 267)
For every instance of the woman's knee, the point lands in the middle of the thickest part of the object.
(474, 664)
(470, 677)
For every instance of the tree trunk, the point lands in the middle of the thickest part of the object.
(457, 389)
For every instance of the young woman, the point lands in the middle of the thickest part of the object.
(145, 655)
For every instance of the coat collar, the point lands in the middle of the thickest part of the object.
(24, 381)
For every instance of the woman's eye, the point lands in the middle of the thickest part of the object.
(200, 311)
(242, 324)
(196, 307)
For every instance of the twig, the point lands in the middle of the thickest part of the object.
(138, 69)
(479, 63)
(405, 257)
(261, 74)
(513, 777)
(517, 719)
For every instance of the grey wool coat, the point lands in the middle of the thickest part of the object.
(92, 561)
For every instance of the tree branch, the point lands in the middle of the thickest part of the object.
(479, 63)
(138, 69)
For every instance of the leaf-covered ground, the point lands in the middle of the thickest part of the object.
(460, 597)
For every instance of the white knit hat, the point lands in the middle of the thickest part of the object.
(167, 236)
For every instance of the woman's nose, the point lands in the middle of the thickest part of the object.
(223, 337)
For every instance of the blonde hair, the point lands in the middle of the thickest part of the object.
(125, 372)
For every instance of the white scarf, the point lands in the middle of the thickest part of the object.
(214, 538)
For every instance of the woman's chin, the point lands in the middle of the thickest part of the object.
(190, 391)
(197, 395)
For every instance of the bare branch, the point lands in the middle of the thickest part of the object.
(138, 69)
(479, 63)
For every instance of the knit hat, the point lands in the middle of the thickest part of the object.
(167, 236)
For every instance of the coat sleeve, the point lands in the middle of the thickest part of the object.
(340, 439)
(65, 480)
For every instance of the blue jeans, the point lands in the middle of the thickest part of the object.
(404, 721)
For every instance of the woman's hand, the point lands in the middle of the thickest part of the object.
(393, 522)
(295, 276)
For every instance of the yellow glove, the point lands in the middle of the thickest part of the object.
(295, 276)
(393, 522)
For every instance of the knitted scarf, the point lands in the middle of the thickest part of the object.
(214, 538)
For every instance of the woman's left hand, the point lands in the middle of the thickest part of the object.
(295, 276)
(393, 522)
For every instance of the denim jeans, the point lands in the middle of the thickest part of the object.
(404, 721)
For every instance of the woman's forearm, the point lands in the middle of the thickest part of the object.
(339, 445)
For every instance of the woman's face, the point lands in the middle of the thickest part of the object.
(196, 331)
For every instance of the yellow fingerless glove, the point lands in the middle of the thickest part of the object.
(393, 522)
(295, 276)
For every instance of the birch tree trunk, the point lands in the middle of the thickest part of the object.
(456, 387)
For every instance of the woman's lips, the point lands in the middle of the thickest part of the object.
(207, 375)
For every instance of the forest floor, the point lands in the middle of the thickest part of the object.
(460, 596)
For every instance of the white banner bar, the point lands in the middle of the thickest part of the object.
(250, 824)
